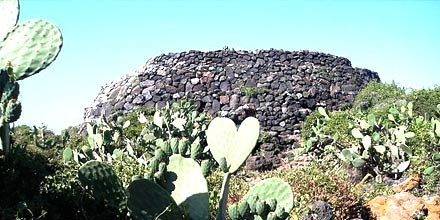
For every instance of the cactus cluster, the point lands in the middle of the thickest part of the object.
(145, 199)
(382, 145)
(105, 143)
(179, 126)
(182, 192)
(230, 148)
(270, 199)
(25, 49)
(175, 129)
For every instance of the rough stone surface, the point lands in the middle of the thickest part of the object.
(320, 211)
(285, 86)
(404, 205)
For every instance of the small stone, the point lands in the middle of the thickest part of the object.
(194, 81)
(215, 106)
(324, 210)
(146, 83)
(254, 163)
(269, 98)
(138, 100)
(398, 206)
(207, 98)
(234, 101)
(224, 86)
(407, 185)
(224, 99)
(176, 96)
(128, 106)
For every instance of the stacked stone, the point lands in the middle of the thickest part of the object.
(278, 87)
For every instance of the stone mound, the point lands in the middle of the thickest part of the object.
(280, 88)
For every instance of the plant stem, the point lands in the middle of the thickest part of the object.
(221, 213)
(5, 138)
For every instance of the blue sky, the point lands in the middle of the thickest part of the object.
(104, 40)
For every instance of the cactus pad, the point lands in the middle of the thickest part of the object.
(187, 185)
(272, 188)
(225, 141)
(31, 47)
(9, 10)
(147, 200)
(103, 182)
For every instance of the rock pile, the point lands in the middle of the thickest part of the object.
(278, 87)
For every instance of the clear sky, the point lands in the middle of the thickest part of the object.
(104, 40)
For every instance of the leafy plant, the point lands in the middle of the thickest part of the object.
(425, 102)
(382, 145)
(45, 139)
(375, 95)
(173, 199)
(251, 91)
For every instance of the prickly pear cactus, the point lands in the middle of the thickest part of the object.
(25, 50)
(147, 200)
(270, 199)
(10, 107)
(9, 10)
(225, 141)
(30, 46)
(103, 182)
(187, 185)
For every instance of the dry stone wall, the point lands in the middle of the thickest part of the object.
(278, 87)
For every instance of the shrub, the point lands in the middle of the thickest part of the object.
(426, 101)
(317, 182)
(21, 173)
(378, 93)
(321, 128)
(135, 128)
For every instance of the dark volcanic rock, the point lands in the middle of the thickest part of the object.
(288, 86)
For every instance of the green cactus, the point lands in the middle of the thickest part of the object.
(10, 108)
(272, 216)
(225, 141)
(31, 47)
(206, 167)
(233, 212)
(187, 185)
(382, 144)
(261, 208)
(174, 143)
(230, 148)
(9, 9)
(40, 140)
(103, 183)
(183, 146)
(273, 194)
(25, 50)
(147, 200)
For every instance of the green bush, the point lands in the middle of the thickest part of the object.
(135, 128)
(308, 124)
(426, 101)
(22, 172)
(75, 140)
(22, 136)
(337, 124)
(377, 94)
